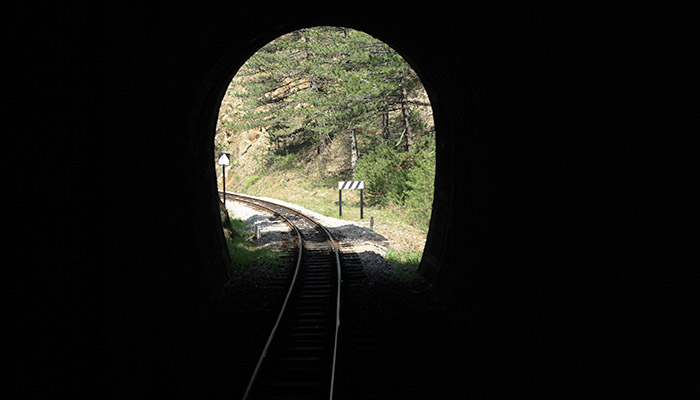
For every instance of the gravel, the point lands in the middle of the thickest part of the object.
(396, 340)
(369, 245)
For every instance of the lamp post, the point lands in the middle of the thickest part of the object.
(224, 160)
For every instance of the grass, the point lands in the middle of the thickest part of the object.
(405, 263)
(251, 181)
(319, 197)
(406, 241)
(315, 188)
(244, 253)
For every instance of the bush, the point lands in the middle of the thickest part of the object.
(385, 173)
(284, 162)
(404, 178)
(243, 253)
(421, 182)
(250, 181)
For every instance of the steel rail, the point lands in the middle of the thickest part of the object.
(336, 249)
(270, 339)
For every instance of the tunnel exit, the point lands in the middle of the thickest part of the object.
(320, 107)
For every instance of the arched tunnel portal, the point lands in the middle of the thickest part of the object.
(532, 225)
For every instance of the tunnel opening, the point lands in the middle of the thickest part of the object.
(397, 310)
(327, 104)
(452, 115)
(187, 270)
(559, 175)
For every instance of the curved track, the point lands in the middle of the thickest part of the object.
(299, 358)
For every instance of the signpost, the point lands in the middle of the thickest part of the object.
(350, 185)
(224, 160)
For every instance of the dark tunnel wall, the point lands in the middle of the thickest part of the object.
(548, 194)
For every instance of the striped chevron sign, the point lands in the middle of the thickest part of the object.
(347, 185)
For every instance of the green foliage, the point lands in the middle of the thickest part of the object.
(251, 181)
(309, 86)
(404, 178)
(315, 83)
(243, 253)
(285, 162)
(406, 263)
(421, 183)
(385, 172)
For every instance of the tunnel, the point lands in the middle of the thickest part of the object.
(553, 185)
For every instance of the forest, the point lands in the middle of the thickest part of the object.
(314, 86)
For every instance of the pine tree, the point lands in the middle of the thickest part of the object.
(316, 83)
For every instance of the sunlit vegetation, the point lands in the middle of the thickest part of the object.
(243, 252)
(325, 104)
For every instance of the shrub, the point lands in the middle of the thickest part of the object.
(243, 253)
(385, 173)
(404, 178)
(421, 184)
(284, 162)
(251, 181)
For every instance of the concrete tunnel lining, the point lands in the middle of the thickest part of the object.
(471, 95)
(474, 90)
(439, 90)
(545, 198)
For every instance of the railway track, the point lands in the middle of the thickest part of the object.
(299, 357)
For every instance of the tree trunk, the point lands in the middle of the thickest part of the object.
(385, 127)
(410, 139)
(353, 150)
(321, 144)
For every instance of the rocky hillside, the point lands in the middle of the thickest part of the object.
(363, 115)
(250, 148)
